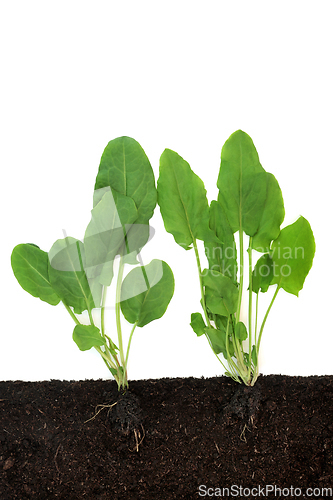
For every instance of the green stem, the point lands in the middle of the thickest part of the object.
(129, 343)
(118, 319)
(72, 314)
(265, 318)
(83, 270)
(106, 357)
(241, 265)
(256, 324)
(200, 281)
(250, 303)
(232, 365)
(103, 311)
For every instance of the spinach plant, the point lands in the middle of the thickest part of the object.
(78, 273)
(250, 203)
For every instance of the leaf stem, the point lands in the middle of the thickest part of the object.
(129, 343)
(265, 318)
(72, 314)
(195, 246)
(231, 363)
(241, 265)
(103, 311)
(106, 358)
(256, 322)
(250, 303)
(118, 319)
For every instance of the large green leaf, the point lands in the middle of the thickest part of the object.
(87, 336)
(182, 200)
(272, 216)
(30, 267)
(222, 254)
(241, 183)
(221, 294)
(146, 292)
(67, 275)
(107, 233)
(125, 168)
(292, 253)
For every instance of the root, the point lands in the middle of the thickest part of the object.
(126, 419)
(242, 436)
(99, 411)
(138, 434)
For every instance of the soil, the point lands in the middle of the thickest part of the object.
(167, 439)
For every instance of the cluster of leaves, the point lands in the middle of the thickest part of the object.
(78, 273)
(249, 202)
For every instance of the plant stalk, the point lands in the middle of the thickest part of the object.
(265, 318)
(250, 304)
(195, 246)
(241, 274)
(118, 320)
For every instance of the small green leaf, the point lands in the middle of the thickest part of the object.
(126, 169)
(182, 200)
(67, 275)
(146, 292)
(87, 336)
(221, 254)
(292, 253)
(262, 274)
(217, 340)
(197, 324)
(221, 294)
(241, 331)
(254, 355)
(242, 183)
(30, 267)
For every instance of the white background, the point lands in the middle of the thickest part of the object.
(171, 74)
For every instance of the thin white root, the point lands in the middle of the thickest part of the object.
(137, 442)
(102, 408)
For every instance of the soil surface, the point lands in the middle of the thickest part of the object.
(167, 439)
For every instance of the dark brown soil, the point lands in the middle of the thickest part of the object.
(173, 440)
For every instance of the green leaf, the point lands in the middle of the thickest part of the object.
(272, 217)
(222, 254)
(241, 183)
(197, 323)
(68, 277)
(107, 232)
(30, 267)
(241, 331)
(217, 338)
(126, 169)
(182, 200)
(221, 294)
(254, 355)
(146, 292)
(87, 336)
(292, 253)
(262, 274)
